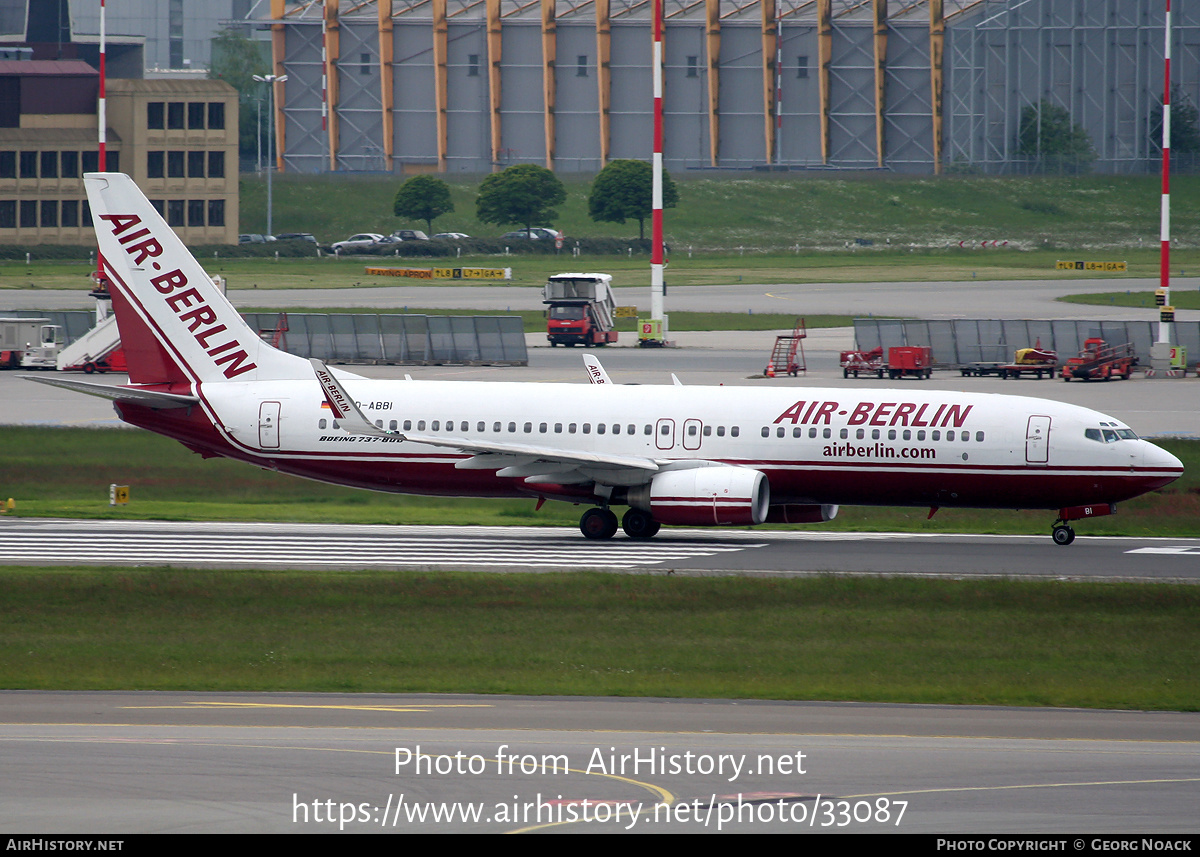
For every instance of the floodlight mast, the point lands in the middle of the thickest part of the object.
(270, 80)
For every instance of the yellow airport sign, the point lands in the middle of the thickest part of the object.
(1110, 267)
(443, 273)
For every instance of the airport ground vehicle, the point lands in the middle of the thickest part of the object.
(853, 362)
(1099, 361)
(694, 456)
(29, 343)
(914, 360)
(580, 310)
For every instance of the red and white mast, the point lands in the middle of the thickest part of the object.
(657, 290)
(102, 136)
(1164, 327)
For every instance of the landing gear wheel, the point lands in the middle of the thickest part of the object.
(639, 525)
(598, 524)
(1063, 535)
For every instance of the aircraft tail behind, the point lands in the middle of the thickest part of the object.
(176, 326)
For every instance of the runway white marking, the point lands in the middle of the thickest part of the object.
(275, 545)
(1180, 550)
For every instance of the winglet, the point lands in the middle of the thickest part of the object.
(340, 402)
(595, 371)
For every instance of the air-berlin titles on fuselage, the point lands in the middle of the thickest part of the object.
(883, 414)
(199, 316)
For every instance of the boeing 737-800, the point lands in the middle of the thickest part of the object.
(696, 456)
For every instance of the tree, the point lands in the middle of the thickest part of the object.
(1185, 125)
(624, 190)
(235, 60)
(423, 198)
(520, 194)
(1047, 135)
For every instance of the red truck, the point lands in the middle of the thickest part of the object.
(915, 360)
(581, 308)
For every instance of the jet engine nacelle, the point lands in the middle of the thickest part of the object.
(705, 496)
(802, 513)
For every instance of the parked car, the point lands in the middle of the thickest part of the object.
(452, 236)
(355, 243)
(409, 235)
(296, 236)
(251, 238)
(534, 233)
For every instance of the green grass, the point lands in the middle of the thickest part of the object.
(1000, 643)
(170, 483)
(1180, 299)
(779, 211)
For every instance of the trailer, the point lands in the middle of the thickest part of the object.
(1031, 361)
(853, 362)
(1099, 361)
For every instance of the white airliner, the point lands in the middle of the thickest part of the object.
(697, 456)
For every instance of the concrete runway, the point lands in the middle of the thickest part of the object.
(26, 541)
(124, 763)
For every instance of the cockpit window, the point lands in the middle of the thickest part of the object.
(1127, 434)
(1110, 436)
(1093, 434)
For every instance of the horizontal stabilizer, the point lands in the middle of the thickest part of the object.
(148, 398)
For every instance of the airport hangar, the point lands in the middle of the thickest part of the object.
(920, 86)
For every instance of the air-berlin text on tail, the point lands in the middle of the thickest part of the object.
(199, 317)
(878, 414)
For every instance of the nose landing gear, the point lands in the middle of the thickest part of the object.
(1063, 534)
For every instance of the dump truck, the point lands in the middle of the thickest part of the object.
(580, 309)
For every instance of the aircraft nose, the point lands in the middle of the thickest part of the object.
(1157, 458)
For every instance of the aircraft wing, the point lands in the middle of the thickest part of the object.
(148, 398)
(532, 461)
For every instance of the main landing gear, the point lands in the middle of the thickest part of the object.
(1062, 533)
(600, 524)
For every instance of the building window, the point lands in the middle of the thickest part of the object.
(28, 213)
(157, 204)
(195, 164)
(216, 212)
(195, 212)
(693, 66)
(8, 165)
(175, 115)
(85, 212)
(29, 165)
(8, 214)
(154, 165)
(472, 65)
(70, 165)
(155, 115)
(50, 213)
(49, 165)
(70, 212)
(112, 162)
(216, 116)
(364, 64)
(90, 161)
(802, 67)
(175, 210)
(195, 115)
(175, 165)
(581, 66)
(216, 165)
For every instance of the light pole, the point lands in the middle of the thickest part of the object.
(270, 80)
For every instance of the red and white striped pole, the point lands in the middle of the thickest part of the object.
(102, 132)
(657, 291)
(1164, 327)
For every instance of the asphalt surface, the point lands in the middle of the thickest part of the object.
(121, 763)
